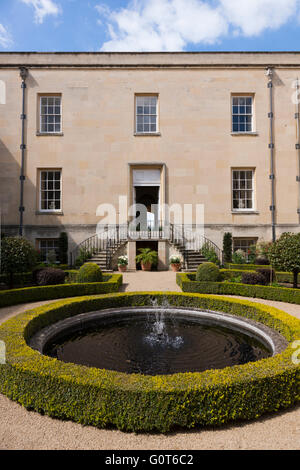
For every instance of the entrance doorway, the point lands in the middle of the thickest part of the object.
(146, 186)
(147, 196)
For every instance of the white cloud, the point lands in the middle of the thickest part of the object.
(43, 8)
(162, 25)
(252, 17)
(5, 37)
(169, 25)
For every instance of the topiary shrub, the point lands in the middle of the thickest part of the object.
(17, 256)
(49, 276)
(208, 272)
(262, 261)
(63, 248)
(269, 274)
(90, 272)
(227, 247)
(255, 279)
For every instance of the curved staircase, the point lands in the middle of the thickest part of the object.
(101, 247)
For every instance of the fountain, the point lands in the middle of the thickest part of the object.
(154, 340)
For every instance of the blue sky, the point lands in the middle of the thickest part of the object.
(149, 25)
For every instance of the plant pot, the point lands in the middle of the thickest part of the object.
(122, 268)
(146, 266)
(176, 267)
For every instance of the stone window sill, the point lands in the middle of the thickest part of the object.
(49, 213)
(49, 134)
(238, 134)
(147, 134)
(245, 212)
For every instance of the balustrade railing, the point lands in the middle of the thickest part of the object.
(109, 237)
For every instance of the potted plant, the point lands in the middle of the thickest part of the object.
(147, 258)
(175, 263)
(122, 263)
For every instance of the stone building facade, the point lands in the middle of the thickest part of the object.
(219, 130)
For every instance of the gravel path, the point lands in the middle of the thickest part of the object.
(21, 429)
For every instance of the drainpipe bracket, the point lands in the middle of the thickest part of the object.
(270, 85)
(297, 146)
(23, 147)
(271, 146)
(298, 179)
(270, 115)
(22, 178)
(297, 115)
(23, 85)
(22, 209)
(272, 177)
(23, 116)
(272, 208)
(298, 211)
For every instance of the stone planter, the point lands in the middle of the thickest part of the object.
(122, 268)
(176, 267)
(146, 267)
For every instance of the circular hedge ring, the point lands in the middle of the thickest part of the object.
(134, 402)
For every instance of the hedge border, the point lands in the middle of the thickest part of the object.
(112, 283)
(279, 276)
(187, 282)
(134, 402)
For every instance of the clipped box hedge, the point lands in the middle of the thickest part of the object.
(111, 283)
(187, 283)
(134, 402)
(281, 277)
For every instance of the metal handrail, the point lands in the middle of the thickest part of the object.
(111, 236)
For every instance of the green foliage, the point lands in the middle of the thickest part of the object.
(50, 276)
(269, 274)
(208, 272)
(133, 402)
(227, 247)
(63, 248)
(188, 283)
(239, 257)
(251, 254)
(284, 254)
(111, 283)
(253, 278)
(147, 256)
(17, 256)
(209, 253)
(84, 255)
(51, 258)
(89, 272)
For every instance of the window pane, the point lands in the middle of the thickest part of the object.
(50, 114)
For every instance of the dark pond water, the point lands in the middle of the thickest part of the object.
(157, 344)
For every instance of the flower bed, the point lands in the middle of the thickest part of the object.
(111, 283)
(134, 402)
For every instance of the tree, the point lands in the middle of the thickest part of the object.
(63, 248)
(284, 254)
(227, 247)
(17, 256)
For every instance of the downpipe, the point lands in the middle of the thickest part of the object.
(23, 75)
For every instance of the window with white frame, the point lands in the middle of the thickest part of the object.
(50, 190)
(244, 244)
(243, 190)
(146, 114)
(48, 247)
(50, 114)
(242, 114)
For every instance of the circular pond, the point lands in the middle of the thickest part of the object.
(155, 341)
